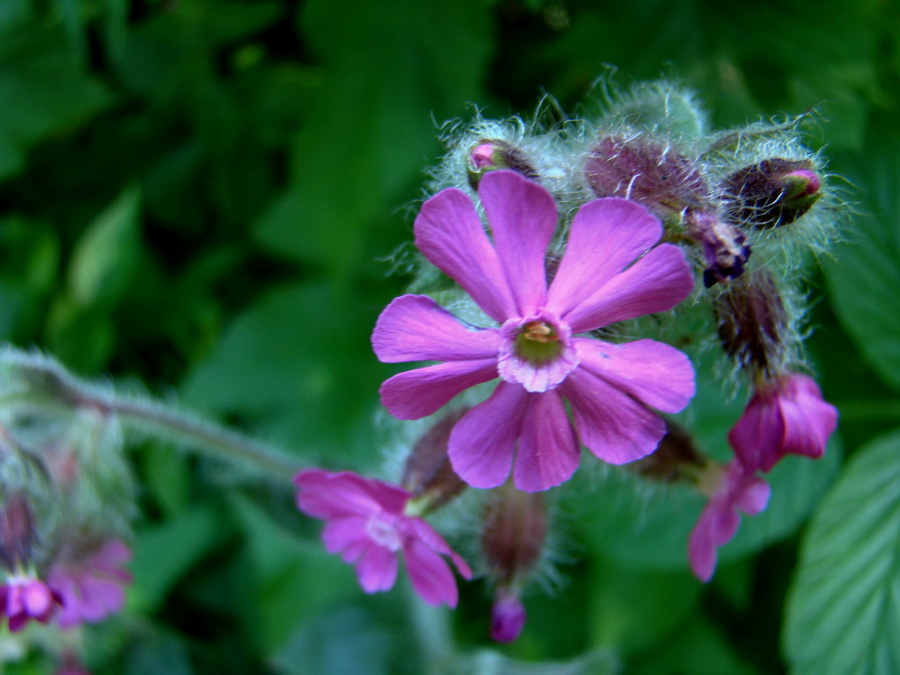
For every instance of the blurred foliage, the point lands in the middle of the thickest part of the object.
(205, 195)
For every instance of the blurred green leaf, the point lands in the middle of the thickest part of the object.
(864, 274)
(843, 613)
(105, 258)
(164, 553)
(43, 89)
(367, 135)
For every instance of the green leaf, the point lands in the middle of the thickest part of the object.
(368, 135)
(865, 273)
(43, 89)
(163, 554)
(843, 613)
(298, 367)
(105, 257)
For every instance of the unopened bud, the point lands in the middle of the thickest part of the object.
(753, 322)
(493, 154)
(507, 616)
(17, 531)
(427, 470)
(772, 193)
(724, 247)
(515, 526)
(676, 457)
(647, 172)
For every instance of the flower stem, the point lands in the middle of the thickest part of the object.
(46, 376)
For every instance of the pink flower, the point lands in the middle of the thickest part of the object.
(611, 271)
(368, 526)
(92, 588)
(733, 489)
(23, 598)
(785, 416)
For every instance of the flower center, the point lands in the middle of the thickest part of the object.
(382, 529)
(538, 342)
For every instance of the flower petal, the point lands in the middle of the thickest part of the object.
(416, 328)
(522, 216)
(346, 536)
(548, 452)
(655, 283)
(430, 575)
(606, 236)
(436, 542)
(652, 372)
(423, 391)
(450, 235)
(323, 494)
(482, 442)
(611, 424)
(377, 569)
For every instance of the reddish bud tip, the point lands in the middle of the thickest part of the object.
(772, 193)
(493, 154)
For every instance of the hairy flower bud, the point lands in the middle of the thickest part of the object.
(753, 322)
(675, 458)
(648, 172)
(17, 530)
(492, 154)
(772, 193)
(724, 247)
(427, 470)
(515, 526)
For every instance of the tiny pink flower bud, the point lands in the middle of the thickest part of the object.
(427, 471)
(507, 617)
(752, 323)
(772, 193)
(724, 247)
(648, 172)
(493, 154)
(786, 415)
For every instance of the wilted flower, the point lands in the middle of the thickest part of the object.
(730, 488)
(369, 524)
(612, 270)
(92, 587)
(786, 415)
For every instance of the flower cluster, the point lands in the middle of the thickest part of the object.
(550, 261)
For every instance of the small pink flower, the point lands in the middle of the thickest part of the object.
(23, 598)
(732, 490)
(507, 617)
(612, 270)
(92, 587)
(786, 415)
(368, 526)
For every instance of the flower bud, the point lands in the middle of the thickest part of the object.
(17, 530)
(492, 154)
(427, 470)
(772, 193)
(647, 172)
(507, 616)
(675, 457)
(753, 322)
(724, 247)
(515, 526)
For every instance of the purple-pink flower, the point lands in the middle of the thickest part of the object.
(23, 598)
(92, 587)
(612, 270)
(786, 415)
(368, 525)
(733, 489)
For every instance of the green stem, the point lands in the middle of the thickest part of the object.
(48, 376)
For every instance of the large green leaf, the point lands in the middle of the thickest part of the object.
(843, 612)
(864, 275)
(390, 70)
